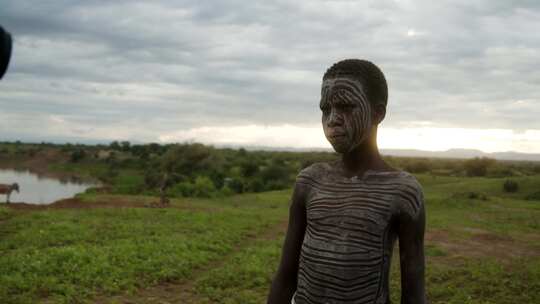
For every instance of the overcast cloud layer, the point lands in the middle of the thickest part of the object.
(147, 71)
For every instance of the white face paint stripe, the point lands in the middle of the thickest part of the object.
(353, 86)
(347, 91)
(325, 92)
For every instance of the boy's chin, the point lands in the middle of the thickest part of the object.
(344, 147)
(340, 148)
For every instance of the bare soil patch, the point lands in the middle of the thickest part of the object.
(106, 202)
(75, 203)
(481, 244)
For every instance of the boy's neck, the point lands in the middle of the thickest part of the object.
(363, 158)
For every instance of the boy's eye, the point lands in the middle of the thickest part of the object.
(345, 107)
(325, 107)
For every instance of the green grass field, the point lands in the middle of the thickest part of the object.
(482, 246)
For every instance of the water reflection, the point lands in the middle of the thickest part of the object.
(40, 189)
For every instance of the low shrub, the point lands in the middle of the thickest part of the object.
(510, 186)
(476, 195)
(182, 189)
(418, 166)
(471, 195)
(535, 196)
(478, 166)
(204, 187)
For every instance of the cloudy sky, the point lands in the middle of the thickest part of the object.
(461, 74)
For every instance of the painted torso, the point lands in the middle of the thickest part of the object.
(351, 230)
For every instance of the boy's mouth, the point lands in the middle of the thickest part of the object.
(336, 134)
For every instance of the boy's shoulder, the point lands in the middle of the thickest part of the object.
(315, 170)
(412, 194)
(408, 181)
(313, 175)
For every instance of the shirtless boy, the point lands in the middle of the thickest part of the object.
(346, 216)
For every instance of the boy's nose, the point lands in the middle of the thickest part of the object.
(334, 119)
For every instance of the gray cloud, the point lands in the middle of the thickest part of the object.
(147, 68)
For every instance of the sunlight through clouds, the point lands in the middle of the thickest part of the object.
(442, 139)
(255, 135)
(421, 138)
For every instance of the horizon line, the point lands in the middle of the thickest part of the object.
(90, 142)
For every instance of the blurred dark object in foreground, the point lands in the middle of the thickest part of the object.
(5, 51)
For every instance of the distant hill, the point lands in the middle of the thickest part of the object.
(462, 153)
(452, 153)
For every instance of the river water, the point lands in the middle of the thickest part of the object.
(35, 189)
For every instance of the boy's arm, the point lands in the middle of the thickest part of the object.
(411, 251)
(284, 283)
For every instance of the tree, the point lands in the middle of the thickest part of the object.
(249, 168)
(77, 155)
(275, 176)
(125, 146)
(478, 166)
(234, 184)
(115, 146)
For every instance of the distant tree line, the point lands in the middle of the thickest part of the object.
(193, 169)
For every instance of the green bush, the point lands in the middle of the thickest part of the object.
(255, 185)
(471, 195)
(478, 166)
(499, 171)
(77, 155)
(182, 189)
(226, 191)
(204, 187)
(418, 166)
(235, 184)
(535, 196)
(510, 186)
(107, 176)
(476, 195)
(249, 168)
(275, 176)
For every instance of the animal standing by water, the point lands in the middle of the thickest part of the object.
(7, 189)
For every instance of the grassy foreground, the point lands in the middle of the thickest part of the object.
(482, 246)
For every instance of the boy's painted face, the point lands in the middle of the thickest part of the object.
(346, 113)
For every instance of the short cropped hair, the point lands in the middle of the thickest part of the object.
(371, 77)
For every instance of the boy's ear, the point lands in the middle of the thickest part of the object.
(379, 113)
